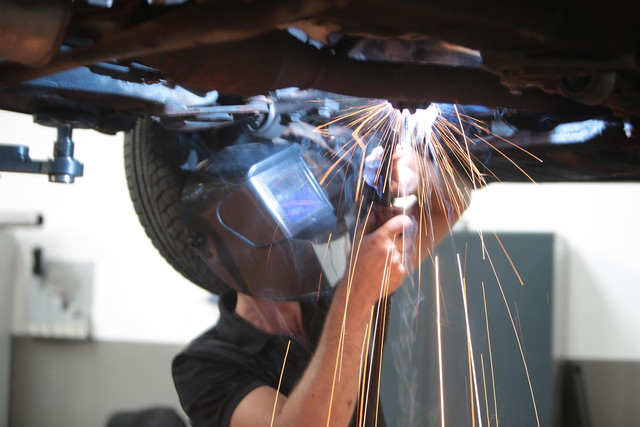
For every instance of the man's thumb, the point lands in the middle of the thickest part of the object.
(396, 225)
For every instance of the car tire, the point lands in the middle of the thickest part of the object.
(153, 159)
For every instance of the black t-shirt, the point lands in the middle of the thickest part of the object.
(219, 368)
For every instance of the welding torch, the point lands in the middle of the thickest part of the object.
(386, 206)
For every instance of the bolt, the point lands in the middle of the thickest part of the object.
(62, 178)
(101, 3)
(324, 112)
(165, 2)
(197, 240)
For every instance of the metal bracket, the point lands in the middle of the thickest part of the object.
(62, 168)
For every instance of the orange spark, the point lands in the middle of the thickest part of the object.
(275, 403)
(493, 382)
(515, 270)
(469, 342)
(484, 383)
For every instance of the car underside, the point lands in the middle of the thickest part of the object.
(556, 85)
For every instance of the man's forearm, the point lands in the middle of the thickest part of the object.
(327, 392)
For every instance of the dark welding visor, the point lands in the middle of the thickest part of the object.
(271, 219)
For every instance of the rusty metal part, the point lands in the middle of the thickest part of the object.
(591, 81)
(31, 30)
(185, 117)
(588, 89)
(192, 25)
(609, 156)
(184, 111)
(277, 60)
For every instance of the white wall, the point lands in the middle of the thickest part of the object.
(136, 295)
(599, 226)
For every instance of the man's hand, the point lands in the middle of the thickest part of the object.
(377, 260)
(441, 199)
(405, 174)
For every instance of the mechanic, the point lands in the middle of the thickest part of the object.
(236, 373)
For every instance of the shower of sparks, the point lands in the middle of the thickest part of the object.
(436, 141)
(275, 402)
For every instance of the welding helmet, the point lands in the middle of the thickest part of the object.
(271, 219)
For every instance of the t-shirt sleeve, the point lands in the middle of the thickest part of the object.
(211, 388)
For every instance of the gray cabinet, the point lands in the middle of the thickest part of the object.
(7, 262)
(518, 316)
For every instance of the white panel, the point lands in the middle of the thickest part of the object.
(599, 224)
(137, 295)
(59, 301)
